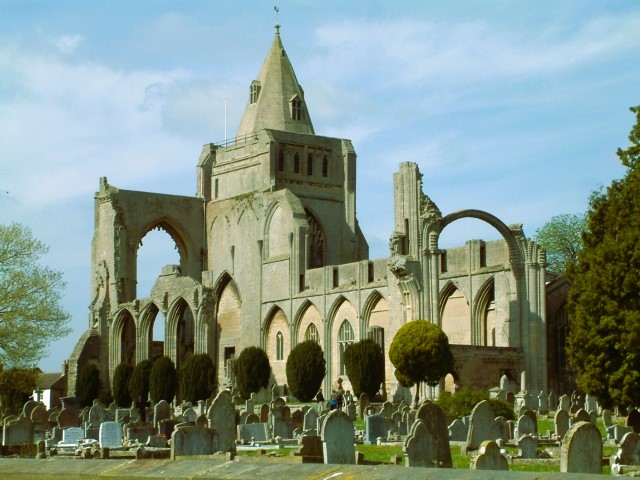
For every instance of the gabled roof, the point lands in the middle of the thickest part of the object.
(46, 380)
(276, 97)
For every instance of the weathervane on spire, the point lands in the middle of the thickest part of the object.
(277, 10)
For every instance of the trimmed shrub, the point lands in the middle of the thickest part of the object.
(462, 402)
(252, 371)
(120, 385)
(364, 365)
(305, 370)
(163, 380)
(197, 378)
(88, 384)
(139, 382)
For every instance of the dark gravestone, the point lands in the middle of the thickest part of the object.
(633, 420)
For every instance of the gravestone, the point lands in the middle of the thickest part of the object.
(96, 415)
(311, 449)
(72, 436)
(606, 418)
(561, 422)
(202, 421)
(436, 423)
(18, 432)
(201, 409)
(123, 415)
(553, 400)
(581, 416)
(222, 419)
(259, 432)
(629, 451)
(374, 428)
(581, 451)
(351, 410)
(265, 410)
(68, 418)
(527, 446)
(619, 431)
(190, 415)
(39, 415)
(134, 415)
(399, 426)
(481, 425)
(387, 409)
(564, 403)
(489, 458)
(297, 419)
(593, 416)
(252, 418)
(310, 419)
(633, 420)
(166, 427)
(250, 405)
(590, 403)
(194, 440)
(457, 431)
(28, 407)
(110, 435)
(526, 426)
(139, 431)
(161, 411)
(338, 439)
(502, 428)
(420, 447)
(281, 419)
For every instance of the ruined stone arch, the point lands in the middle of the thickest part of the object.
(308, 314)
(455, 316)
(177, 233)
(376, 322)
(180, 332)
(123, 339)
(341, 310)
(148, 316)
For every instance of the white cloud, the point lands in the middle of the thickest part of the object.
(67, 44)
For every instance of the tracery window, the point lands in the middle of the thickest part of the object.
(312, 333)
(345, 338)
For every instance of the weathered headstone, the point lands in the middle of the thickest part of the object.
(543, 403)
(297, 418)
(18, 432)
(265, 410)
(222, 419)
(259, 432)
(363, 404)
(374, 429)
(110, 435)
(564, 403)
(481, 425)
(457, 431)
(68, 418)
(311, 450)
(553, 400)
(193, 441)
(526, 426)
(28, 407)
(629, 451)
(581, 416)
(39, 415)
(561, 422)
(387, 409)
(489, 458)
(96, 415)
(161, 411)
(581, 451)
(502, 428)
(72, 436)
(338, 439)
(527, 446)
(351, 410)
(606, 418)
(310, 419)
(166, 427)
(590, 403)
(436, 423)
(139, 432)
(420, 447)
(190, 415)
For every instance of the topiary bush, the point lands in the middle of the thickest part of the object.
(120, 385)
(197, 378)
(88, 384)
(305, 370)
(139, 382)
(364, 365)
(163, 380)
(252, 371)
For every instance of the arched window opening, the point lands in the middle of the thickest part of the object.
(296, 108)
(317, 242)
(254, 91)
(279, 346)
(312, 333)
(325, 166)
(128, 341)
(157, 249)
(157, 337)
(345, 338)
(310, 165)
(296, 163)
(280, 161)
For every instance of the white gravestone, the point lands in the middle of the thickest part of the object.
(110, 435)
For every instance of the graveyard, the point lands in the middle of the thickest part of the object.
(228, 437)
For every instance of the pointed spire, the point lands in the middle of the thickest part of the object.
(276, 99)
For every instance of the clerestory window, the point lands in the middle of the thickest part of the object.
(311, 333)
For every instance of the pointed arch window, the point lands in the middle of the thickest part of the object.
(325, 166)
(312, 333)
(279, 346)
(296, 163)
(345, 338)
(254, 91)
(296, 108)
(317, 242)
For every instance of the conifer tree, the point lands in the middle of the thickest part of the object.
(364, 365)
(604, 299)
(305, 370)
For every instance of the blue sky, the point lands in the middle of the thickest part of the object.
(515, 108)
